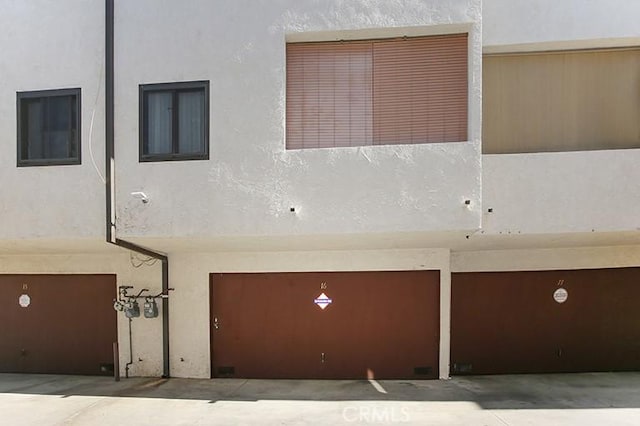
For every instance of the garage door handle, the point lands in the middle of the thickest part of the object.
(216, 324)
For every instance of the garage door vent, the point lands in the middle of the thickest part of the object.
(462, 368)
(422, 371)
(226, 371)
(106, 368)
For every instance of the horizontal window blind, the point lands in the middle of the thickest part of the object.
(377, 92)
(578, 100)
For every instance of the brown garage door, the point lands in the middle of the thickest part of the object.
(509, 322)
(272, 325)
(67, 326)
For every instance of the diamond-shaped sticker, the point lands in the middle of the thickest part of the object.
(323, 301)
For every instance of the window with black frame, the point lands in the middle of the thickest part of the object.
(174, 121)
(48, 127)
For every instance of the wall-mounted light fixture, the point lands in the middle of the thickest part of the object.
(139, 195)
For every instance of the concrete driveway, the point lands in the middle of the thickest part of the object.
(559, 399)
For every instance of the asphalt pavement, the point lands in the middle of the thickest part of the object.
(554, 399)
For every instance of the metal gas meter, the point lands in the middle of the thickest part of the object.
(128, 303)
(150, 307)
(132, 309)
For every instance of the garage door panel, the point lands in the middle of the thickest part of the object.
(383, 322)
(509, 322)
(12, 340)
(605, 320)
(491, 315)
(68, 328)
(259, 319)
(387, 323)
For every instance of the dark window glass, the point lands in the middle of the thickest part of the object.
(174, 121)
(48, 127)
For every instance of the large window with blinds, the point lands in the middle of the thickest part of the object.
(377, 92)
(574, 100)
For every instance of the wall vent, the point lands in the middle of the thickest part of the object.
(106, 368)
(226, 371)
(462, 368)
(422, 371)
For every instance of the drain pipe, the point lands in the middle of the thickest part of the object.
(110, 185)
(127, 365)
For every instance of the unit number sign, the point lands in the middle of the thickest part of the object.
(561, 294)
(323, 300)
(24, 300)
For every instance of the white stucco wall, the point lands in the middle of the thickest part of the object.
(562, 192)
(552, 24)
(251, 182)
(46, 45)
(546, 259)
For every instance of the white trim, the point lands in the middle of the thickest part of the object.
(545, 46)
(378, 33)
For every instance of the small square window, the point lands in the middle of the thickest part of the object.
(48, 127)
(174, 121)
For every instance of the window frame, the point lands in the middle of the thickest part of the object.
(49, 93)
(173, 88)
